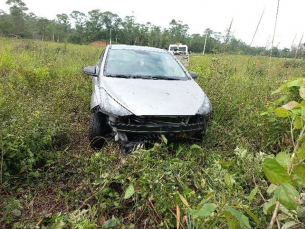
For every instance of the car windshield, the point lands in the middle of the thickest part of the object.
(143, 64)
(183, 49)
(173, 48)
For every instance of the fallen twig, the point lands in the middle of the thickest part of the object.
(274, 215)
(259, 191)
(180, 223)
(157, 212)
(90, 197)
(50, 211)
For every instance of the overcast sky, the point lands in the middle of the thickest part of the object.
(198, 14)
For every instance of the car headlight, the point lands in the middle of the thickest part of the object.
(206, 107)
(112, 107)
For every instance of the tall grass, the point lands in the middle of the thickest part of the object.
(237, 86)
(49, 168)
(44, 94)
(259, 22)
(271, 50)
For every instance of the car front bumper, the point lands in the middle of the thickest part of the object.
(160, 125)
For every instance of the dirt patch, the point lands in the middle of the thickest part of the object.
(98, 43)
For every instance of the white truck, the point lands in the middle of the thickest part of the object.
(180, 51)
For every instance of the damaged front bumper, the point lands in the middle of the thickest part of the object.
(159, 128)
(159, 125)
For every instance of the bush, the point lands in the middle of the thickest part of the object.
(41, 86)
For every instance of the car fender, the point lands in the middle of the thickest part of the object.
(95, 97)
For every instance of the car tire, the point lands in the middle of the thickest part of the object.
(98, 129)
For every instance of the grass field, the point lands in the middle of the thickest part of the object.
(50, 178)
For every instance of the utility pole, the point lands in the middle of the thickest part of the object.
(205, 42)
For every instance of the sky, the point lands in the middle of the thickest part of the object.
(198, 15)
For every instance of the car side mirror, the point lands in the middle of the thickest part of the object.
(193, 75)
(90, 70)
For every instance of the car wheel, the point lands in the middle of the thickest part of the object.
(98, 129)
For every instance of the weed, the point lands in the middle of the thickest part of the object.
(51, 179)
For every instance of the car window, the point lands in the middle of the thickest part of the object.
(173, 48)
(143, 63)
(183, 49)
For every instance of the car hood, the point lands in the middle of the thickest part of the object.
(155, 97)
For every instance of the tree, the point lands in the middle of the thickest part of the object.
(155, 36)
(178, 31)
(94, 25)
(18, 4)
(17, 17)
(165, 39)
(237, 45)
(97, 25)
(5, 24)
(110, 21)
(31, 24)
(196, 43)
(42, 24)
(63, 27)
(117, 26)
(80, 22)
(128, 30)
(213, 43)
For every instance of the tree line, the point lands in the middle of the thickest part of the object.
(81, 28)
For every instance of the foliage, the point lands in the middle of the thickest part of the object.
(81, 28)
(36, 102)
(52, 179)
(286, 170)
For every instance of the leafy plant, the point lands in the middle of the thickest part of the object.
(286, 171)
(55, 180)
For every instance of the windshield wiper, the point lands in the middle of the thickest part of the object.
(163, 78)
(140, 77)
(128, 76)
(117, 76)
(153, 77)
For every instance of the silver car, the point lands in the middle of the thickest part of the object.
(142, 92)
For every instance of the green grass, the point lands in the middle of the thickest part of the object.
(51, 178)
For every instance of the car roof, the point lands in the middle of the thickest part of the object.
(135, 47)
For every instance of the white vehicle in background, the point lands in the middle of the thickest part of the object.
(180, 51)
